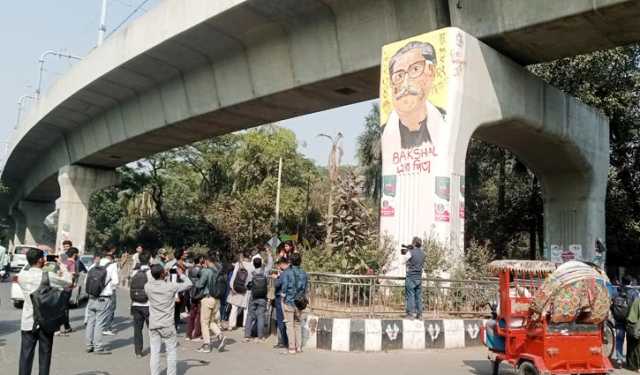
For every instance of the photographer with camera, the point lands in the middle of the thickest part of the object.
(413, 256)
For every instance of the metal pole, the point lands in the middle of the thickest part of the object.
(102, 29)
(278, 194)
(41, 61)
(20, 105)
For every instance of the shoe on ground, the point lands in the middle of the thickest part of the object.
(205, 348)
(138, 356)
(108, 333)
(418, 317)
(102, 352)
(280, 346)
(222, 344)
(89, 350)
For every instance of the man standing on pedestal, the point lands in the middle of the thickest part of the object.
(413, 256)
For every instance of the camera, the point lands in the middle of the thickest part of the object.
(405, 248)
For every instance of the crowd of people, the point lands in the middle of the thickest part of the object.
(213, 296)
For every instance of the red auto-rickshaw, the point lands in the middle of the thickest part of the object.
(535, 345)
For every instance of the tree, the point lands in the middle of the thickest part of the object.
(370, 154)
(219, 193)
(334, 172)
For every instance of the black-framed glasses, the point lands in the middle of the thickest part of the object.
(415, 70)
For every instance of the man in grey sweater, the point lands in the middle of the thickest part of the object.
(162, 298)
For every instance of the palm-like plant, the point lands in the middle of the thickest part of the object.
(334, 171)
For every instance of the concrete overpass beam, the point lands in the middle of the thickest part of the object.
(77, 183)
(564, 142)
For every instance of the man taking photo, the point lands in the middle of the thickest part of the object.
(413, 256)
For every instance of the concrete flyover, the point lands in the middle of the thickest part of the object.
(189, 70)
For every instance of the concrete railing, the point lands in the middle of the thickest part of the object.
(372, 296)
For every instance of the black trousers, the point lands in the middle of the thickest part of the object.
(28, 349)
(140, 317)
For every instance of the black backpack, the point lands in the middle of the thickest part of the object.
(96, 280)
(259, 288)
(621, 305)
(136, 288)
(49, 305)
(240, 282)
(219, 287)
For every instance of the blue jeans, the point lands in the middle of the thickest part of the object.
(413, 295)
(112, 312)
(256, 311)
(282, 328)
(621, 331)
(97, 315)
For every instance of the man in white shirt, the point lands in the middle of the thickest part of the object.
(29, 280)
(113, 274)
(99, 308)
(4, 262)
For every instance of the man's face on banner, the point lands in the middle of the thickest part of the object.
(411, 81)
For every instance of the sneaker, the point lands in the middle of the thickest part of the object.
(138, 356)
(280, 346)
(108, 333)
(204, 349)
(89, 350)
(222, 344)
(247, 339)
(102, 352)
(418, 317)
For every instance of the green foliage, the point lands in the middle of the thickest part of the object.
(476, 261)
(354, 246)
(436, 260)
(218, 193)
(370, 154)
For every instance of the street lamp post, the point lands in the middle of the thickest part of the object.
(42, 60)
(20, 106)
(102, 29)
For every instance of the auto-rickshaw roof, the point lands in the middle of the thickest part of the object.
(522, 267)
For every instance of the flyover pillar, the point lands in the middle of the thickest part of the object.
(28, 217)
(19, 228)
(77, 183)
(574, 212)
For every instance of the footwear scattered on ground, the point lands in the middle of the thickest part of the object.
(222, 344)
(205, 348)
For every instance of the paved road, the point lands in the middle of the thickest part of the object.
(240, 358)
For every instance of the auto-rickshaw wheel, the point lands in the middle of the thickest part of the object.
(527, 368)
(496, 367)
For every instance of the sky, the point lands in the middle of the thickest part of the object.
(30, 27)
